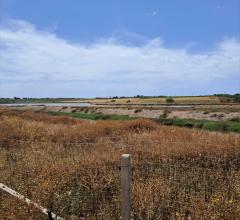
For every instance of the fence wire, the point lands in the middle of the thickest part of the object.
(109, 141)
(162, 188)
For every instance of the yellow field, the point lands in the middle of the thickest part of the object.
(177, 100)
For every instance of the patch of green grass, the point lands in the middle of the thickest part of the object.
(235, 126)
(92, 116)
(224, 126)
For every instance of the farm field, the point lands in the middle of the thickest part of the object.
(72, 167)
(154, 100)
(161, 100)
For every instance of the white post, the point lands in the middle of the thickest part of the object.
(126, 187)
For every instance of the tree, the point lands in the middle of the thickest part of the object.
(169, 100)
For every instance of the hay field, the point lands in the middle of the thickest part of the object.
(72, 167)
(160, 100)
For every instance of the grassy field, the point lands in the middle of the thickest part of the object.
(144, 100)
(127, 100)
(160, 100)
(91, 116)
(72, 167)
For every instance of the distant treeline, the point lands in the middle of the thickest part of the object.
(222, 97)
(31, 100)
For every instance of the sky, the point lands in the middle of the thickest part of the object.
(92, 48)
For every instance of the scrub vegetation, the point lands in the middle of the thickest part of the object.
(72, 167)
(224, 126)
(92, 116)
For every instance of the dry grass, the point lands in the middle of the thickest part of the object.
(72, 167)
(161, 100)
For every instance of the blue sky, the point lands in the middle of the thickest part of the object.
(93, 48)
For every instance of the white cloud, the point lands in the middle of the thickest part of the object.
(154, 13)
(220, 7)
(29, 54)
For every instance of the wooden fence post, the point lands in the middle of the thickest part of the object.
(126, 187)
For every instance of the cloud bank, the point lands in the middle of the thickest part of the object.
(37, 62)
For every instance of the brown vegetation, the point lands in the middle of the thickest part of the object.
(72, 167)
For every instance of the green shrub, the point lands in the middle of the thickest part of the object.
(236, 97)
(224, 126)
(164, 114)
(235, 119)
(166, 121)
(169, 100)
(137, 110)
(198, 125)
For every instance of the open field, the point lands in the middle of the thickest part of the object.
(160, 100)
(72, 167)
(136, 100)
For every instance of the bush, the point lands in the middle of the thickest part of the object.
(137, 110)
(165, 113)
(235, 119)
(166, 121)
(169, 100)
(198, 125)
(236, 97)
